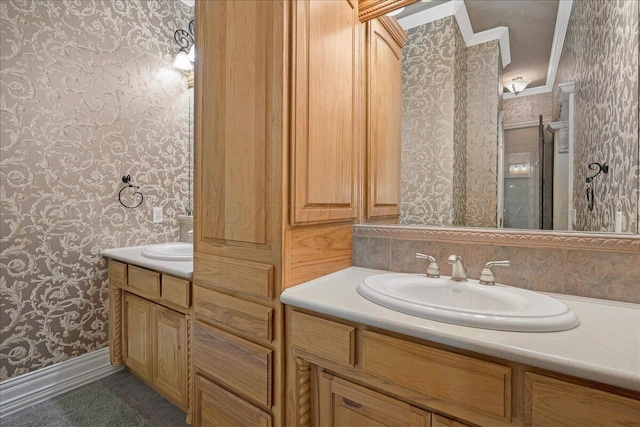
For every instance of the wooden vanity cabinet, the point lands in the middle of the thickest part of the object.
(398, 380)
(149, 328)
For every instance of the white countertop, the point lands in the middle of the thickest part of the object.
(133, 255)
(605, 347)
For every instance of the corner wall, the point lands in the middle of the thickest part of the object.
(88, 95)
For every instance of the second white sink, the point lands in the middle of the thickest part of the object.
(498, 307)
(177, 251)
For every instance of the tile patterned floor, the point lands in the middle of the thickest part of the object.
(158, 411)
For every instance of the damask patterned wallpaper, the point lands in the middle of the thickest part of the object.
(484, 74)
(524, 109)
(88, 94)
(459, 129)
(428, 96)
(449, 128)
(600, 55)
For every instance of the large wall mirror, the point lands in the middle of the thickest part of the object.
(562, 154)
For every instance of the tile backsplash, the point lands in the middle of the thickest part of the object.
(590, 265)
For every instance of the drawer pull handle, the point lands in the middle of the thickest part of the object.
(351, 403)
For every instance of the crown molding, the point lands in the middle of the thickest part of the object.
(370, 9)
(521, 238)
(459, 11)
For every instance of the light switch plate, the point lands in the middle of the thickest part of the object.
(157, 215)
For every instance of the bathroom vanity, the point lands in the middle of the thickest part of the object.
(354, 361)
(150, 320)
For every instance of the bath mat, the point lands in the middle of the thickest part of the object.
(92, 406)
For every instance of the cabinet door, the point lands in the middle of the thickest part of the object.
(236, 121)
(170, 354)
(137, 332)
(346, 404)
(440, 421)
(384, 107)
(552, 402)
(325, 110)
(216, 407)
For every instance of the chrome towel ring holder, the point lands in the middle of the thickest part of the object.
(136, 196)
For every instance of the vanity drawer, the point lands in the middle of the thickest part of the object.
(552, 402)
(145, 281)
(441, 376)
(251, 278)
(118, 271)
(176, 290)
(329, 340)
(239, 364)
(235, 314)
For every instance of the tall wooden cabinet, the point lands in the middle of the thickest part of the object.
(276, 187)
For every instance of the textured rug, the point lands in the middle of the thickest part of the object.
(92, 406)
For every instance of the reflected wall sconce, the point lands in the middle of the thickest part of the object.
(517, 85)
(186, 40)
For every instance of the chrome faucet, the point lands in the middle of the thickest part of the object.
(433, 270)
(486, 276)
(458, 272)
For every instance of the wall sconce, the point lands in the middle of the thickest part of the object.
(517, 85)
(187, 55)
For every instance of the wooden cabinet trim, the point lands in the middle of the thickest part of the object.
(234, 314)
(241, 365)
(330, 340)
(371, 9)
(138, 335)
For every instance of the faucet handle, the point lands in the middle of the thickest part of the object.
(433, 270)
(486, 276)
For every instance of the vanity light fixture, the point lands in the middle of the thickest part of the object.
(517, 85)
(186, 40)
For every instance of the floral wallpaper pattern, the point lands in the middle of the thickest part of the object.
(524, 109)
(428, 57)
(459, 129)
(450, 102)
(483, 97)
(88, 94)
(600, 55)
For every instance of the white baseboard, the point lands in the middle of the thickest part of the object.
(34, 387)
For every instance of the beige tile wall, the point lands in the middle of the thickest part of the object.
(537, 263)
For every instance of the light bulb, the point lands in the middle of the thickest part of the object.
(182, 62)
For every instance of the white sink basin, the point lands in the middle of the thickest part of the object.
(177, 251)
(498, 307)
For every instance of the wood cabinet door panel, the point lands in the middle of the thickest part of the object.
(552, 402)
(324, 338)
(239, 364)
(325, 110)
(234, 121)
(233, 313)
(176, 290)
(170, 354)
(345, 404)
(145, 282)
(137, 335)
(459, 385)
(216, 407)
(384, 108)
